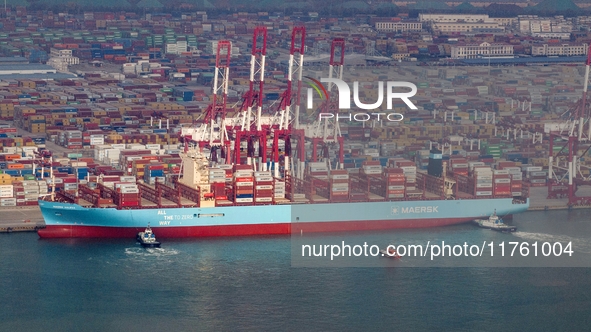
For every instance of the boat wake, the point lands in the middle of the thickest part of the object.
(151, 252)
(581, 245)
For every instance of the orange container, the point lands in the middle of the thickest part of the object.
(15, 166)
(10, 157)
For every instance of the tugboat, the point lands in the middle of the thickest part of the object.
(390, 252)
(495, 223)
(147, 238)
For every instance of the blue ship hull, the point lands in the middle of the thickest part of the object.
(72, 220)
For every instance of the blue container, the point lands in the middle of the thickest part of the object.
(160, 131)
(126, 42)
(13, 172)
(65, 170)
(26, 171)
(272, 96)
(184, 93)
(45, 174)
(244, 196)
(3, 165)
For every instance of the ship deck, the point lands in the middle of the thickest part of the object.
(147, 204)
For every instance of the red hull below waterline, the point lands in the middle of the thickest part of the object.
(73, 231)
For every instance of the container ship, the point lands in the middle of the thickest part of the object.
(236, 200)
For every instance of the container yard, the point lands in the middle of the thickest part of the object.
(122, 122)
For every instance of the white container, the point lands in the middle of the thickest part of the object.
(396, 187)
(130, 191)
(346, 189)
(263, 178)
(340, 185)
(243, 174)
(244, 200)
(501, 172)
(264, 187)
(130, 179)
(244, 184)
(262, 174)
(340, 177)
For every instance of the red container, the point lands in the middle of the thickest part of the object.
(244, 191)
(130, 203)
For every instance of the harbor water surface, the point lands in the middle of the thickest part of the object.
(248, 283)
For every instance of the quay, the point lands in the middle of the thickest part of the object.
(539, 201)
(21, 219)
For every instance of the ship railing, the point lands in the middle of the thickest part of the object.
(106, 192)
(150, 194)
(432, 184)
(89, 195)
(294, 186)
(66, 197)
(359, 189)
(318, 188)
(192, 194)
(171, 194)
(377, 186)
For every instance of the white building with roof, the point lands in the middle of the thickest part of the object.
(473, 50)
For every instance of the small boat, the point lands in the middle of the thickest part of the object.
(390, 252)
(495, 223)
(147, 238)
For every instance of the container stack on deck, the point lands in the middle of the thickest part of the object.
(263, 182)
(516, 176)
(483, 177)
(243, 184)
(396, 182)
(129, 194)
(279, 189)
(339, 185)
(217, 180)
(502, 183)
